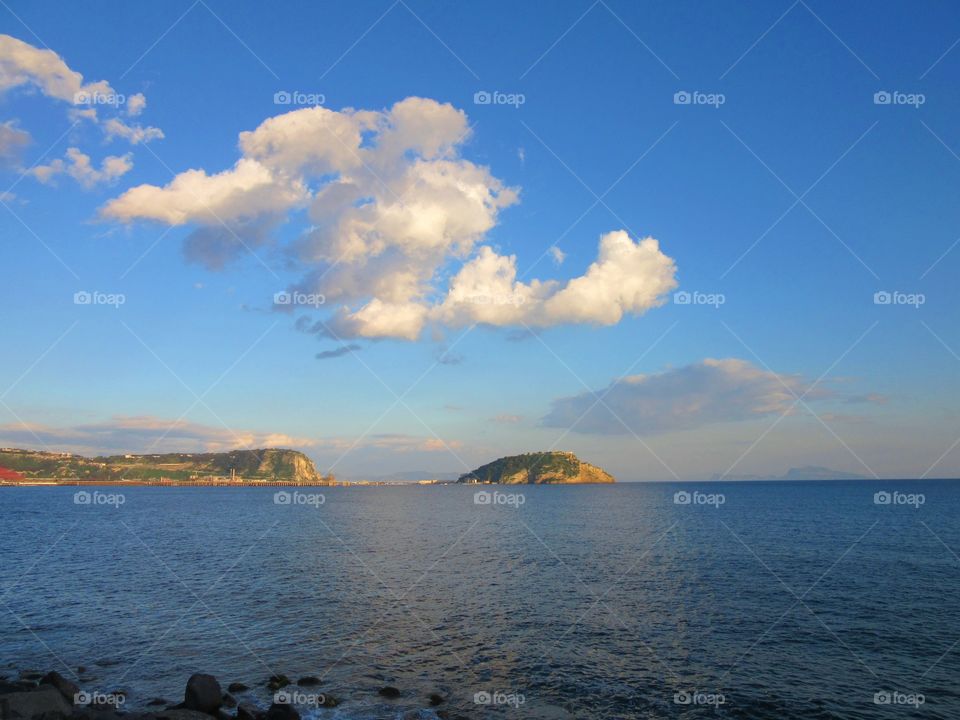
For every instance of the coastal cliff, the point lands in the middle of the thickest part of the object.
(538, 468)
(267, 464)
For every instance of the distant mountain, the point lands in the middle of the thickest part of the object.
(263, 464)
(538, 468)
(807, 472)
(815, 472)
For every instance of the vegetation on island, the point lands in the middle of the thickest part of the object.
(538, 468)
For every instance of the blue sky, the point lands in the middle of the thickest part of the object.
(783, 197)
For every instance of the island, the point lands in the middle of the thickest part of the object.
(265, 466)
(807, 472)
(537, 468)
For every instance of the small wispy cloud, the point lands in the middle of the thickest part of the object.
(337, 352)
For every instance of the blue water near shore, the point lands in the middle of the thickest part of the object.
(788, 600)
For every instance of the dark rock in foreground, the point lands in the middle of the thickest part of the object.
(282, 711)
(278, 681)
(46, 702)
(66, 688)
(203, 694)
(249, 712)
(182, 714)
(389, 692)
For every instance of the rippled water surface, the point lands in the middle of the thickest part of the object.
(789, 600)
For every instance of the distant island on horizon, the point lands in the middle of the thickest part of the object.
(281, 466)
(268, 466)
(554, 467)
(807, 472)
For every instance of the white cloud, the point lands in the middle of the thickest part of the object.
(557, 254)
(80, 168)
(24, 66)
(711, 391)
(395, 442)
(12, 141)
(379, 319)
(136, 104)
(134, 134)
(628, 277)
(392, 206)
(143, 434)
(247, 190)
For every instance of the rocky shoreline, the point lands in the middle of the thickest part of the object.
(50, 696)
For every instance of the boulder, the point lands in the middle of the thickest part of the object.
(308, 680)
(181, 714)
(389, 692)
(436, 699)
(157, 702)
(68, 689)
(249, 712)
(282, 711)
(203, 694)
(237, 687)
(91, 712)
(329, 701)
(229, 701)
(45, 703)
(277, 681)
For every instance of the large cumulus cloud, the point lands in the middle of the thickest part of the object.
(397, 221)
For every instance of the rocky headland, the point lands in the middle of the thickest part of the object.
(538, 468)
